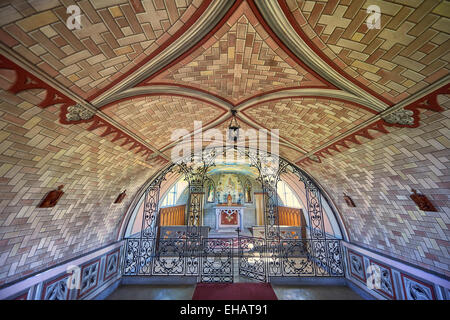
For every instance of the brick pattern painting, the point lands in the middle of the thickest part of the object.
(406, 54)
(286, 152)
(238, 62)
(308, 122)
(154, 118)
(379, 176)
(37, 154)
(114, 37)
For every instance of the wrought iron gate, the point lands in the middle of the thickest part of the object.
(210, 260)
(252, 258)
(217, 260)
(260, 259)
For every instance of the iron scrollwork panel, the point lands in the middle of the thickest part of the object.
(335, 260)
(146, 255)
(315, 213)
(193, 255)
(271, 212)
(320, 257)
(296, 259)
(169, 258)
(195, 214)
(252, 258)
(150, 212)
(131, 259)
(274, 257)
(217, 260)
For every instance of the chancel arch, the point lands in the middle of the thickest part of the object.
(238, 199)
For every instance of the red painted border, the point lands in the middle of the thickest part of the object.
(393, 297)
(79, 294)
(98, 122)
(106, 264)
(25, 81)
(428, 102)
(402, 275)
(205, 4)
(350, 268)
(323, 56)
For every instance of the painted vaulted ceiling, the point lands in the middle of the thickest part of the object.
(138, 70)
(365, 111)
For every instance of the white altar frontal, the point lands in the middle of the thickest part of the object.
(229, 218)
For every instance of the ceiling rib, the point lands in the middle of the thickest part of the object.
(214, 13)
(278, 22)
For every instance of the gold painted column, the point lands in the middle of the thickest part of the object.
(259, 202)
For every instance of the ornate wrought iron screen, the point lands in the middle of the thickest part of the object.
(190, 253)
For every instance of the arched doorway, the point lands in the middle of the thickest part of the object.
(286, 243)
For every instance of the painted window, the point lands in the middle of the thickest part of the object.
(171, 198)
(287, 196)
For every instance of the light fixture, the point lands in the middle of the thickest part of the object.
(233, 128)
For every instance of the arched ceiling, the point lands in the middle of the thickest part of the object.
(141, 69)
(408, 53)
(96, 107)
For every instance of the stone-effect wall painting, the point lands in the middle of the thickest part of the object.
(56, 289)
(111, 265)
(387, 284)
(229, 184)
(416, 290)
(356, 263)
(89, 277)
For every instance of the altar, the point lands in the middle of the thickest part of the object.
(229, 218)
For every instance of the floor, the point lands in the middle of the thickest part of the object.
(184, 292)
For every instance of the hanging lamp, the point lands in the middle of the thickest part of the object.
(233, 128)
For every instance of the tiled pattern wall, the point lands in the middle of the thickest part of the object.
(37, 154)
(397, 281)
(379, 176)
(82, 278)
(407, 53)
(113, 37)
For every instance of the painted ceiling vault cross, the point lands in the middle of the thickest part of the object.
(239, 61)
(138, 70)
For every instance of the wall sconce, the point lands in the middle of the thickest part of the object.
(349, 201)
(52, 198)
(422, 201)
(120, 197)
